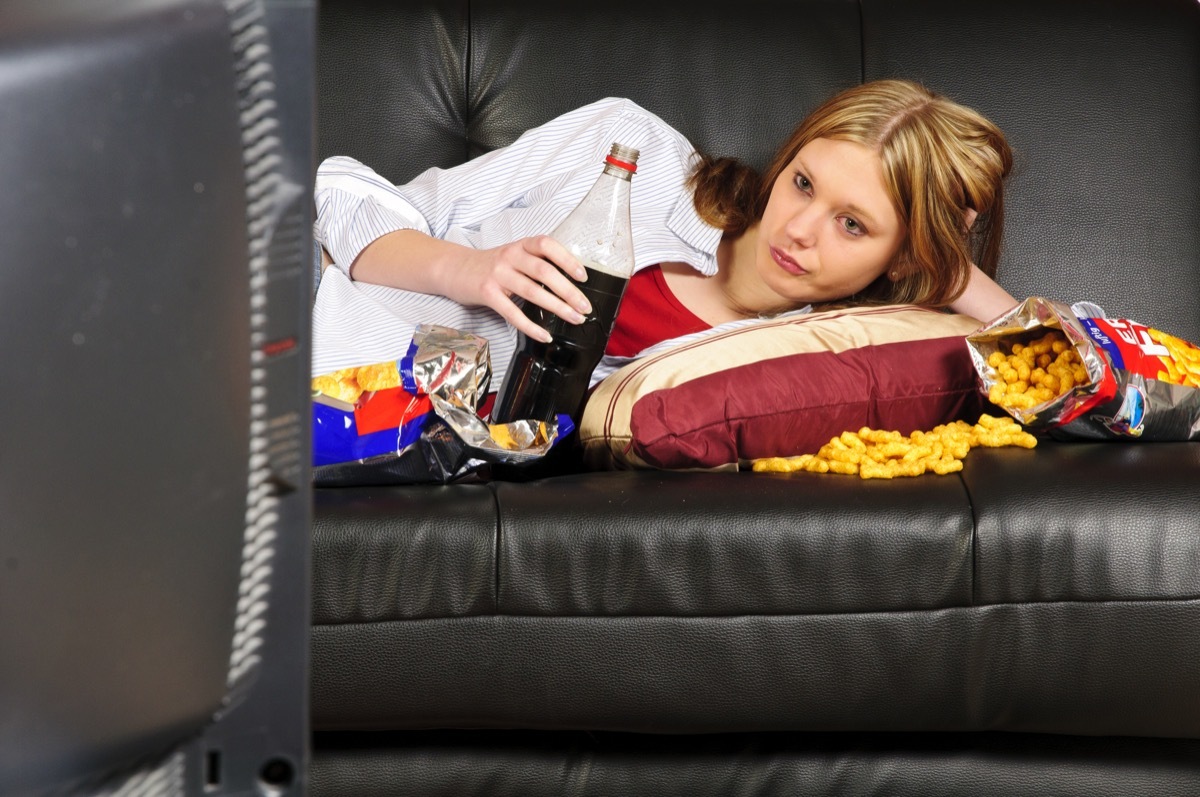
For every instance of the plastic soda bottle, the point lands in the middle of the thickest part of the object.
(545, 379)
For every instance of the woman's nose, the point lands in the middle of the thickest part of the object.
(802, 226)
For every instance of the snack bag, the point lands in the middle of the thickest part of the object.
(1084, 377)
(418, 419)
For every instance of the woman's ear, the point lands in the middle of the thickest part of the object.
(969, 217)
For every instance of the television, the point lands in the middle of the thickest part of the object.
(155, 288)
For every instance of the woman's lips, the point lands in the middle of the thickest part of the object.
(786, 263)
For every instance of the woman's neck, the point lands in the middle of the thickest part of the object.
(733, 293)
(743, 291)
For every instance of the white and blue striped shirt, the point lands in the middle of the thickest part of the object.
(520, 190)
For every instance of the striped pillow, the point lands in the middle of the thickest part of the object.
(783, 387)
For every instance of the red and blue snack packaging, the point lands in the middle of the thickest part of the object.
(1127, 380)
(420, 418)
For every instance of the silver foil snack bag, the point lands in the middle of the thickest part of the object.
(1120, 380)
(417, 419)
(454, 369)
(455, 366)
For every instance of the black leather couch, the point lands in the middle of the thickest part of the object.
(1030, 626)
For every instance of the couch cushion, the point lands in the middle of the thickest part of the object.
(1086, 522)
(390, 553)
(551, 764)
(1095, 668)
(369, 105)
(703, 544)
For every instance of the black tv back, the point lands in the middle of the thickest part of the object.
(155, 286)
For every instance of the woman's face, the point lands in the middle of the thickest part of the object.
(829, 229)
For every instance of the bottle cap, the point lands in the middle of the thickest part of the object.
(623, 157)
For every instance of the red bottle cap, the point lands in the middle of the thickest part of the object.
(626, 165)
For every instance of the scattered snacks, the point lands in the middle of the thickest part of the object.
(348, 384)
(516, 436)
(876, 454)
(1181, 362)
(1036, 372)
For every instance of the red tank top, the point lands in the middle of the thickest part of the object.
(649, 314)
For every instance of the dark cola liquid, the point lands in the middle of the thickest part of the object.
(544, 379)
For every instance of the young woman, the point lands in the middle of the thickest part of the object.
(886, 193)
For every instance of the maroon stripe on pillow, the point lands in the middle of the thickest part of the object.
(795, 404)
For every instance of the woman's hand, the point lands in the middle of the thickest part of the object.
(532, 268)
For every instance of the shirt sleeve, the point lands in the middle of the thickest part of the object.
(520, 190)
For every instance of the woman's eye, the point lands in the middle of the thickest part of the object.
(853, 227)
(803, 184)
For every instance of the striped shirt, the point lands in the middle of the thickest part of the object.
(514, 192)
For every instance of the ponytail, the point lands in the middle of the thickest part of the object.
(726, 194)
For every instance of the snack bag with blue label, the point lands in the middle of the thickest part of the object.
(419, 418)
(1073, 373)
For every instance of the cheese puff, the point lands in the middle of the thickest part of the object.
(811, 464)
(846, 468)
(996, 359)
(1028, 356)
(1042, 394)
(1024, 440)
(837, 451)
(946, 466)
(895, 449)
(853, 441)
(876, 470)
(378, 376)
(1008, 374)
(1044, 360)
(804, 462)
(958, 448)
(1020, 401)
(1020, 386)
(346, 390)
(1060, 346)
(879, 435)
(917, 454)
(1023, 371)
(1016, 348)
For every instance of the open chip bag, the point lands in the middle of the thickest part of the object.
(420, 418)
(1078, 376)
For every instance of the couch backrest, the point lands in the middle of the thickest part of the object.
(1100, 100)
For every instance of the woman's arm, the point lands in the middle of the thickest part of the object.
(983, 299)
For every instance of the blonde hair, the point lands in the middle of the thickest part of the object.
(940, 159)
